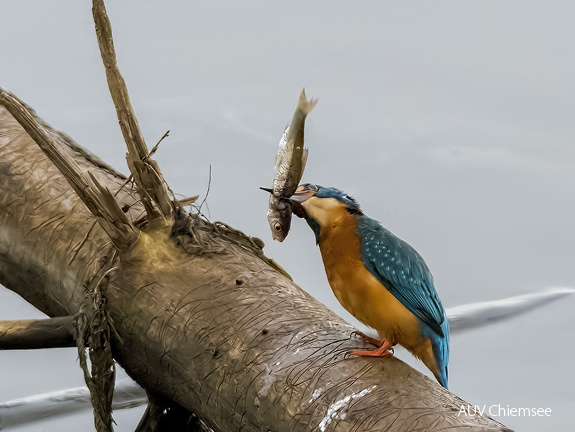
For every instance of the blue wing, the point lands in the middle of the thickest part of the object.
(403, 272)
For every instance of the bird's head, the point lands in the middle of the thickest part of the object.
(322, 206)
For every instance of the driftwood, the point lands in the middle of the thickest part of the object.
(128, 394)
(193, 310)
(219, 330)
(35, 334)
(39, 407)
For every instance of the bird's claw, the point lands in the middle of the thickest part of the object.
(366, 339)
(385, 349)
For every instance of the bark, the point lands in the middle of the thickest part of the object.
(200, 317)
(35, 334)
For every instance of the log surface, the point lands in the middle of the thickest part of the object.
(37, 334)
(220, 332)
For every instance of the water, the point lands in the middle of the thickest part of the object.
(450, 122)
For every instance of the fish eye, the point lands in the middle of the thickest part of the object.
(278, 226)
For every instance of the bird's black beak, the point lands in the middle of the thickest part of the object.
(267, 190)
(304, 192)
(301, 195)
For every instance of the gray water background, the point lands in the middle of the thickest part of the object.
(451, 122)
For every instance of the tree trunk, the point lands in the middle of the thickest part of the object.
(200, 317)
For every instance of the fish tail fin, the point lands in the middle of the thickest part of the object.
(305, 105)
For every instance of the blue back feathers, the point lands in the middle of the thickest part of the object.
(402, 270)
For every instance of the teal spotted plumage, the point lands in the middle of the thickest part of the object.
(379, 278)
(404, 273)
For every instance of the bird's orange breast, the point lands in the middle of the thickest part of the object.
(360, 292)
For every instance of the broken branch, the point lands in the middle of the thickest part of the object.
(37, 334)
(146, 172)
(99, 201)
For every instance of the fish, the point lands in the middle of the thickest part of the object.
(290, 162)
(279, 217)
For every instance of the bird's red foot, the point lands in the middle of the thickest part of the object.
(366, 338)
(385, 350)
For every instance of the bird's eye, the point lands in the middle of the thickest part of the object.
(278, 226)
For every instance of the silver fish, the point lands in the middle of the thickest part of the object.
(279, 217)
(289, 166)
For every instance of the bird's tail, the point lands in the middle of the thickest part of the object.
(440, 347)
(433, 351)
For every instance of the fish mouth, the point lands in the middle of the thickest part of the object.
(278, 238)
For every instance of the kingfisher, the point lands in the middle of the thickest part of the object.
(377, 277)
